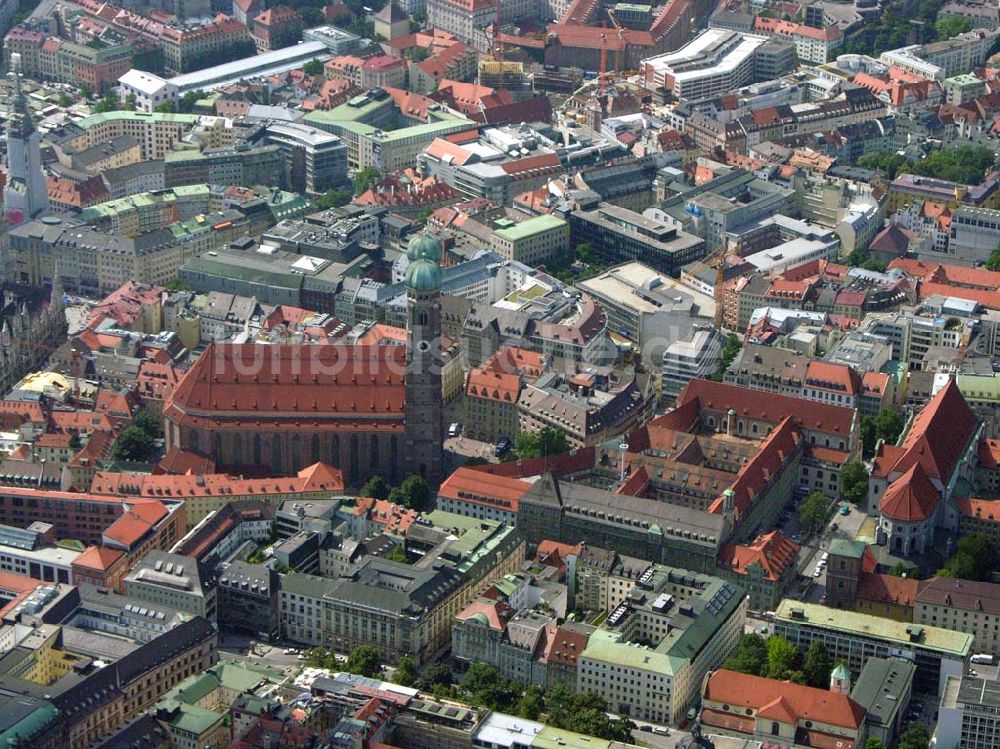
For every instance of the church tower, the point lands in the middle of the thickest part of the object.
(840, 680)
(26, 194)
(422, 446)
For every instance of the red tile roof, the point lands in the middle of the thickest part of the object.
(496, 613)
(719, 396)
(890, 589)
(910, 498)
(571, 462)
(318, 477)
(875, 383)
(98, 558)
(178, 461)
(984, 509)
(249, 384)
(758, 473)
(937, 438)
(468, 485)
(833, 376)
(563, 646)
(773, 552)
(137, 522)
(790, 701)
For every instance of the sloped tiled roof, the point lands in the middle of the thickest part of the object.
(251, 384)
(910, 498)
(937, 438)
(783, 700)
(773, 552)
(467, 485)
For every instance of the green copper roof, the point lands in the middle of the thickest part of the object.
(423, 275)
(423, 245)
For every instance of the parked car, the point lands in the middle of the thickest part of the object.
(845, 509)
(455, 429)
(503, 447)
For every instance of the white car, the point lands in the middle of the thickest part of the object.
(817, 572)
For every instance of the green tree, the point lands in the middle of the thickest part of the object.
(375, 487)
(148, 422)
(187, 102)
(108, 104)
(750, 656)
(484, 685)
(130, 102)
(886, 425)
(853, 481)
(435, 675)
(310, 17)
(817, 665)
(167, 107)
(546, 441)
(364, 178)
(364, 660)
(333, 198)
(814, 510)
(914, 736)
(313, 67)
(406, 672)
(413, 493)
(417, 54)
(952, 26)
(135, 445)
(64, 101)
(85, 92)
(176, 285)
(584, 713)
(975, 558)
(874, 743)
(74, 441)
(902, 569)
(993, 261)
(964, 164)
(730, 349)
(890, 163)
(781, 658)
(532, 703)
(396, 554)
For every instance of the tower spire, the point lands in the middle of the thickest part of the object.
(26, 193)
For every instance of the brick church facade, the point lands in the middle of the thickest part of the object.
(368, 410)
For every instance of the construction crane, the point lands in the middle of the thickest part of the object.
(602, 76)
(621, 38)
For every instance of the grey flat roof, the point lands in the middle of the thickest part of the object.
(979, 692)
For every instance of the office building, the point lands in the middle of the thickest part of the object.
(402, 608)
(969, 713)
(715, 62)
(648, 658)
(853, 638)
(176, 581)
(314, 161)
(539, 240)
(619, 235)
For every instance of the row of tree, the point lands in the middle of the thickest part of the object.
(777, 658)
(967, 165)
(482, 685)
